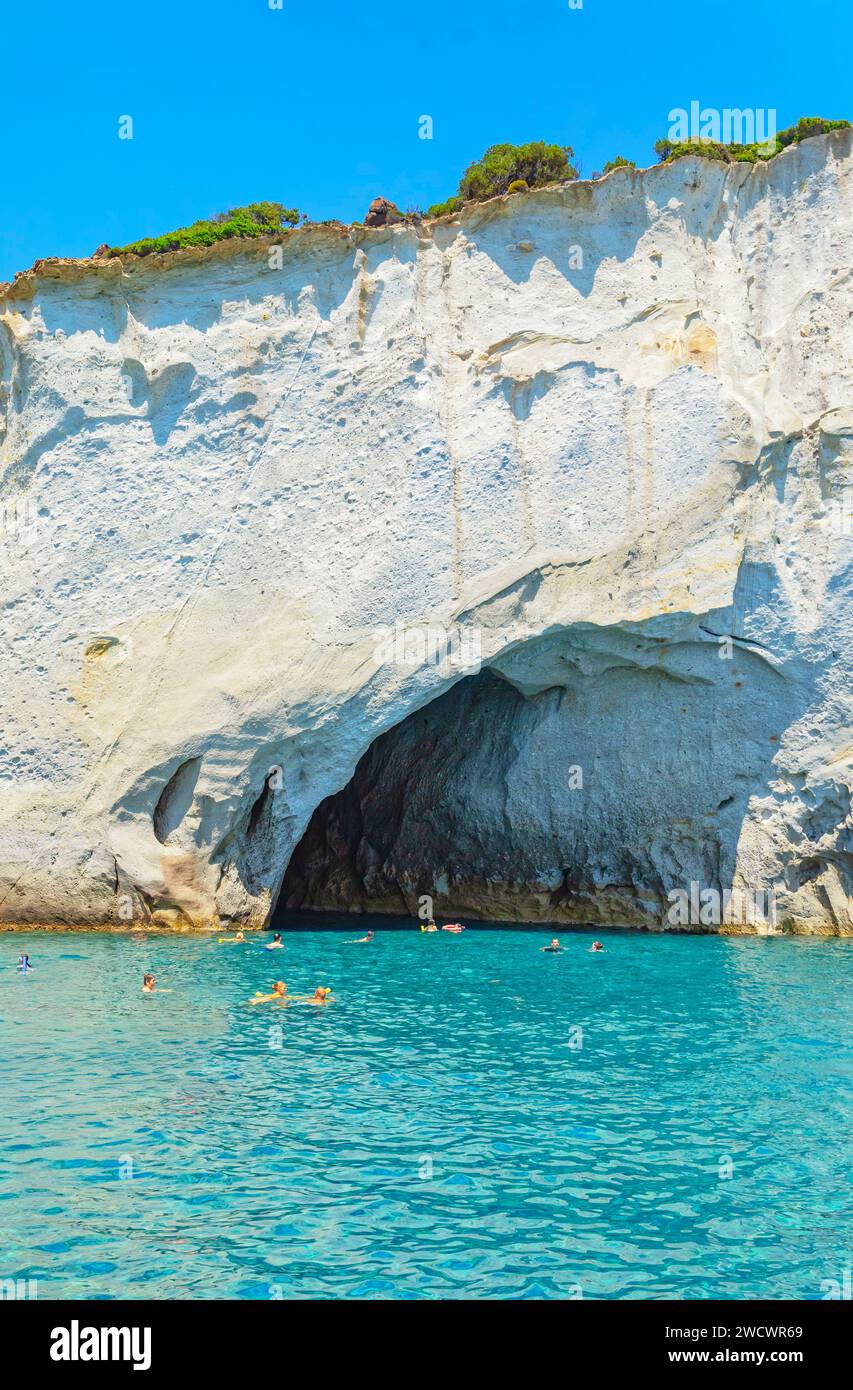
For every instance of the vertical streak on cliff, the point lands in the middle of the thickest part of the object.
(452, 375)
(6, 362)
(648, 454)
(521, 403)
(647, 542)
(11, 386)
(630, 472)
(365, 290)
(648, 485)
(436, 313)
(639, 460)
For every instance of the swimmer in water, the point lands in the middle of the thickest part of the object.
(276, 944)
(24, 964)
(228, 940)
(554, 947)
(321, 995)
(357, 940)
(430, 926)
(453, 926)
(149, 986)
(279, 991)
(596, 946)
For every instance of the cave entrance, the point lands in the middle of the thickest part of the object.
(424, 814)
(577, 783)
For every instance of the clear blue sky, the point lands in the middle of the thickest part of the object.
(316, 105)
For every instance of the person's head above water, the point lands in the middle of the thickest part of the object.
(555, 941)
(321, 992)
(148, 981)
(277, 936)
(597, 946)
(279, 987)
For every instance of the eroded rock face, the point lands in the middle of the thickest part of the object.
(227, 475)
(519, 796)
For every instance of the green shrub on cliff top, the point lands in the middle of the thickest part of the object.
(444, 209)
(254, 220)
(668, 150)
(535, 164)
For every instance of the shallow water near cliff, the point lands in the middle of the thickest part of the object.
(437, 1131)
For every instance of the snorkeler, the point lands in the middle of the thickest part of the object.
(24, 964)
(276, 944)
(357, 940)
(554, 947)
(279, 991)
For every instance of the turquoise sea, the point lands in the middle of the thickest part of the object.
(469, 1119)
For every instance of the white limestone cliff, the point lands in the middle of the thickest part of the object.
(600, 434)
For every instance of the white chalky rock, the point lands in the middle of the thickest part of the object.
(621, 478)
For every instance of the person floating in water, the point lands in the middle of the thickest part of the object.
(554, 947)
(276, 944)
(357, 940)
(453, 926)
(321, 995)
(228, 940)
(24, 964)
(596, 946)
(429, 926)
(279, 991)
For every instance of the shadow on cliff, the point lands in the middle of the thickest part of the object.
(574, 246)
(626, 767)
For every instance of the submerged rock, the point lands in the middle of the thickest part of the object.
(554, 498)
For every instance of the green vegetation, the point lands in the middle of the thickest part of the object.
(537, 164)
(255, 220)
(502, 169)
(534, 165)
(668, 150)
(444, 209)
